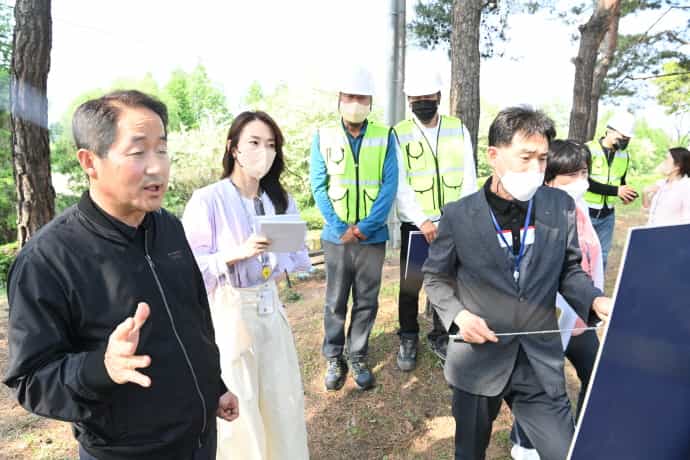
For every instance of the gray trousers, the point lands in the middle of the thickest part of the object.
(352, 267)
(548, 422)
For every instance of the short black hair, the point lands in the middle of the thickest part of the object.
(94, 124)
(565, 157)
(681, 158)
(519, 119)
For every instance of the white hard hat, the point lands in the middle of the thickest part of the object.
(622, 122)
(422, 82)
(356, 80)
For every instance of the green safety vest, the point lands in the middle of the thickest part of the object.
(605, 174)
(435, 179)
(354, 184)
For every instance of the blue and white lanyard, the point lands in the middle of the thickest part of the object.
(263, 258)
(521, 253)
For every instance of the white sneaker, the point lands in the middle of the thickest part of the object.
(521, 453)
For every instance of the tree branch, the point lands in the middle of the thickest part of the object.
(657, 21)
(650, 77)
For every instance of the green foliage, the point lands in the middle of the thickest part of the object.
(488, 113)
(642, 55)
(312, 216)
(196, 156)
(637, 55)
(431, 26)
(647, 148)
(64, 201)
(198, 125)
(254, 94)
(298, 112)
(432, 23)
(7, 254)
(6, 28)
(193, 99)
(292, 296)
(674, 91)
(194, 104)
(8, 196)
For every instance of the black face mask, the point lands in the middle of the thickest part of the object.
(621, 144)
(424, 110)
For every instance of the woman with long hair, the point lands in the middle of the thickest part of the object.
(668, 199)
(258, 356)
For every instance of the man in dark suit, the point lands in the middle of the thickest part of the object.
(501, 255)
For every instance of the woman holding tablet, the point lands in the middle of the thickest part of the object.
(258, 356)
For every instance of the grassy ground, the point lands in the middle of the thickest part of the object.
(407, 416)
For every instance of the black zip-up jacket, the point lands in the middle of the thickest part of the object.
(70, 286)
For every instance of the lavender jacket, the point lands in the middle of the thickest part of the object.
(216, 225)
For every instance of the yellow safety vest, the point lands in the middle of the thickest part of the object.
(604, 173)
(353, 184)
(435, 178)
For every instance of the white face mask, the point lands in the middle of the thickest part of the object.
(354, 112)
(256, 163)
(575, 189)
(523, 185)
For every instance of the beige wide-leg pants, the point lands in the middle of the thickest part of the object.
(266, 379)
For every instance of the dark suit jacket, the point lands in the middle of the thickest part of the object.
(467, 269)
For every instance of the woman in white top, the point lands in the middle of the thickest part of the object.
(257, 351)
(668, 200)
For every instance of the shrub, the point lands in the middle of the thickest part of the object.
(7, 254)
(312, 216)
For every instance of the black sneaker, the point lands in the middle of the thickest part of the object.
(407, 355)
(336, 373)
(440, 347)
(364, 379)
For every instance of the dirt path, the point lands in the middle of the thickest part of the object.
(407, 416)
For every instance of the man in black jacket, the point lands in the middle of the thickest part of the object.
(109, 324)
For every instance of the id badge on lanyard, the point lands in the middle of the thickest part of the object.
(266, 269)
(266, 302)
(516, 259)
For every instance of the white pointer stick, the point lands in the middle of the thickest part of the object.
(458, 337)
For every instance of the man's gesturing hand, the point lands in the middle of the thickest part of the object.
(602, 307)
(228, 407)
(473, 328)
(120, 360)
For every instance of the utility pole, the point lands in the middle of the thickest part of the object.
(395, 110)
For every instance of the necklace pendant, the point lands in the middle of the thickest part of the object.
(516, 276)
(266, 271)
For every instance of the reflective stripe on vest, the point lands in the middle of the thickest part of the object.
(354, 185)
(435, 178)
(605, 174)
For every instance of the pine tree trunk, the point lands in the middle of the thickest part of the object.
(29, 119)
(592, 33)
(465, 62)
(608, 48)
